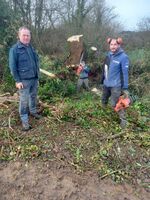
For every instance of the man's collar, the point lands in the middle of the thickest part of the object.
(20, 45)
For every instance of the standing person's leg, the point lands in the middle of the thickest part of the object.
(105, 96)
(122, 116)
(115, 94)
(79, 84)
(33, 98)
(24, 104)
(86, 83)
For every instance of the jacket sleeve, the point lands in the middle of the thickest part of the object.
(87, 69)
(106, 62)
(13, 65)
(125, 69)
(102, 75)
(36, 57)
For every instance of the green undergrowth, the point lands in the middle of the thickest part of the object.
(76, 131)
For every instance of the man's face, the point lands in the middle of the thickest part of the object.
(24, 36)
(113, 46)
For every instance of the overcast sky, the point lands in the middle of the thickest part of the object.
(130, 11)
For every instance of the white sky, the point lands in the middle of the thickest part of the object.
(130, 11)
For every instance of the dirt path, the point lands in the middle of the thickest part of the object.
(51, 181)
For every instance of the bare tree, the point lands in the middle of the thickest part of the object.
(83, 8)
(102, 14)
(39, 6)
(144, 24)
(23, 9)
(53, 21)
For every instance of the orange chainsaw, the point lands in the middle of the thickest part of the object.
(122, 103)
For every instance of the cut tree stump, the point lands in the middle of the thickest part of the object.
(75, 50)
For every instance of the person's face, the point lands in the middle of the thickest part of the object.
(24, 36)
(113, 46)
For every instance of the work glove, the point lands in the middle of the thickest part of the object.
(125, 93)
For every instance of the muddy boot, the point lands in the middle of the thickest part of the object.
(26, 126)
(123, 121)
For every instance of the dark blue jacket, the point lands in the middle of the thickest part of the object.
(115, 70)
(23, 62)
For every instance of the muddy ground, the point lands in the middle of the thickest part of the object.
(53, 181)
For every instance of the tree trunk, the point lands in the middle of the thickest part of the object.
(75, 50)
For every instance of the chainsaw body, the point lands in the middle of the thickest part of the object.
(122, 103)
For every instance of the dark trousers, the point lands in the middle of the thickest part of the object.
(114, 93)
(111, 92)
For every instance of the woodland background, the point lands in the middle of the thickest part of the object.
(52, 22)
(76, 130)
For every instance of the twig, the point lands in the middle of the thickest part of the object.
(113, 172)
(6, 94)
(9, 120)
(8, 100)
(45, 105)
(1, 104)
(2, 149)
(112, 136)
(6, 142)
(142, 170)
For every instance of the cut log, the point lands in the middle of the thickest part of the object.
(75, 50)
(74, 38)
(48, 73)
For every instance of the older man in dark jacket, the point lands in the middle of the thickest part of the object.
(24, 66)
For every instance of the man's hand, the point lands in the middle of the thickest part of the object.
(125, 93)
(19, 85)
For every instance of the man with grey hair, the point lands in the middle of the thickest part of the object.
(24, 66)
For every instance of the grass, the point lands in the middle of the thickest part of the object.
(77, 131)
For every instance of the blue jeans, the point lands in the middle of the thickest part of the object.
(28, 99)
